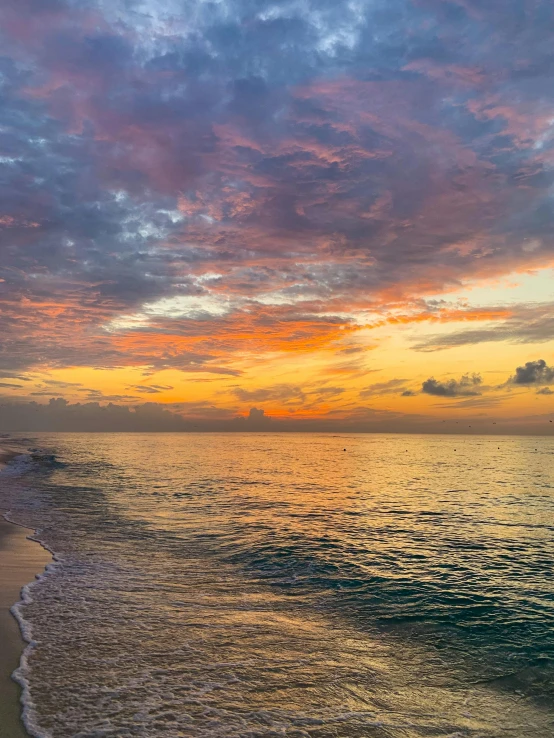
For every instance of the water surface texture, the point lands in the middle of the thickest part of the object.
(218, 585)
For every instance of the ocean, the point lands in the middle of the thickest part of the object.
(298, 585)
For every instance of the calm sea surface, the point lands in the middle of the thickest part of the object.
(252, 585)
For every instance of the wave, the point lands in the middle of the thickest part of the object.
(465, 617)
(31, 459)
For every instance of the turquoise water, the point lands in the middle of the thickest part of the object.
(288, 585)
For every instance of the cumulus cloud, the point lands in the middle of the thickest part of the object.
(467, 386)
(255, 420)
(533, 372)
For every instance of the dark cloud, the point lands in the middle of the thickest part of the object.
(545, 391)
(255, 420)
(61, 416)
(533, 372)
(467, 386)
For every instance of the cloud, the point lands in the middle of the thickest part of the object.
(467, 386)
(545, 391)
(392, 386)
(104, 414)
(151, 389)
(62, 416)
(290, 395)
(326, 392)
(533, 372)
(59, 384)
(527, 324)
(181, 188)
(477, 402)
(255, 420)
(283, 393)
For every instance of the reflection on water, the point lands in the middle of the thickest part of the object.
(233, 585)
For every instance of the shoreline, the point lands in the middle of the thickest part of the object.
(21, 560)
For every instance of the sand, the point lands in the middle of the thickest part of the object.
(20, 561)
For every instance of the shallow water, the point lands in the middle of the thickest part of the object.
(271, 585)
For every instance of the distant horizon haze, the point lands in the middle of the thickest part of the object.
(59, 416)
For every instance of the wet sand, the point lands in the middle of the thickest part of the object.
(20, 561)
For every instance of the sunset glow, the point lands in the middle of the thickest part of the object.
(338, 214)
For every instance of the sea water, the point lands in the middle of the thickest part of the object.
(225, 585)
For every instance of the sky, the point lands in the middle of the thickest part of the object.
(307, 214)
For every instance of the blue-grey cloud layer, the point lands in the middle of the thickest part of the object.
(339, 154)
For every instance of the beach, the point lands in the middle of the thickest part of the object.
(20, 560)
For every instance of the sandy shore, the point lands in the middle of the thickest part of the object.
(20, 561)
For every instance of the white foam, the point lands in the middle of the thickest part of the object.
(17, 466)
